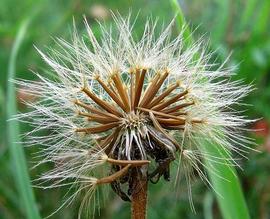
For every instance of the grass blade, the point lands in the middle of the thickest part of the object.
(208, 205)
(181, 22)
(231, 200)
(21, 176)
(230, 196)
(248, 13)
(218, 32)
(261, 26)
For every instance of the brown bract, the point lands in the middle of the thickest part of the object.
(141, 105)
(136, 100)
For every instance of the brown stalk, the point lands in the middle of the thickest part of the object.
(134, 163)
(112, 94)
(139, 195)
(160, 113)
(110, 84)
(157, 100)
(95, 110)
(197, 120)
(169, 101)
(85, 106)
(101, 139)
(174, 127)
(122, 91)
(149, 89)
(98, 118)
(115, 176)
(102, 142)
(101, 102)
(155, 88)
(139, 85)
(177, 107)
(98, 129)
(137, 77)
(101, 119)
(170, 122)
(110, 143)
(132, 91)
(159, 127)
(178, 113)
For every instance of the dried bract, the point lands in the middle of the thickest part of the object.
(132, 106)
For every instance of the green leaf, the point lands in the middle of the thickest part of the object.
(262, 24)
(221, 22)
(2, 119)
(227, 187)
(208, 205)
(247, 14)
(181, 22)
(229, 194)
(21, 176)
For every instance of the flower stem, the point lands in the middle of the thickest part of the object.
(139, 196)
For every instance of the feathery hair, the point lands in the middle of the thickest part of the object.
(118, 106)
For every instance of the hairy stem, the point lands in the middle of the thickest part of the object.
(139, 195)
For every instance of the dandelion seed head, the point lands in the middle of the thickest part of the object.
(124, 102)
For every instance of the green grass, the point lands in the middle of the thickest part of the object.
(181, 22)
(227, 185)
(19, 164)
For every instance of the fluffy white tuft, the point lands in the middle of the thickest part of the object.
(76, 65)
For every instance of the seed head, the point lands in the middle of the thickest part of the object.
(131, 105)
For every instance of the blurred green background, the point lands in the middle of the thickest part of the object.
(240, 27)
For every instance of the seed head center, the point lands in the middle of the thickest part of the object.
(133, 119)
